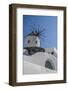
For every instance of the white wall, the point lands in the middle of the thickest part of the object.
(4, 47)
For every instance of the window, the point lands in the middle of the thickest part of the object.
(28, 41)
(36, 42)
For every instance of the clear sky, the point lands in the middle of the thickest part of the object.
(48, 24)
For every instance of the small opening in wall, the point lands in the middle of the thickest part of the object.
(48, 65)
(52, 53)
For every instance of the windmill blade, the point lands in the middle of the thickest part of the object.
(42, 30)
(27, 35)
(34, 28)
(38, 28)
(43, 37)
(43, 34)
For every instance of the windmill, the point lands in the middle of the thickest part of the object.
(32, 40)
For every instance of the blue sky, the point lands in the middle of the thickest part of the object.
(46, 23)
